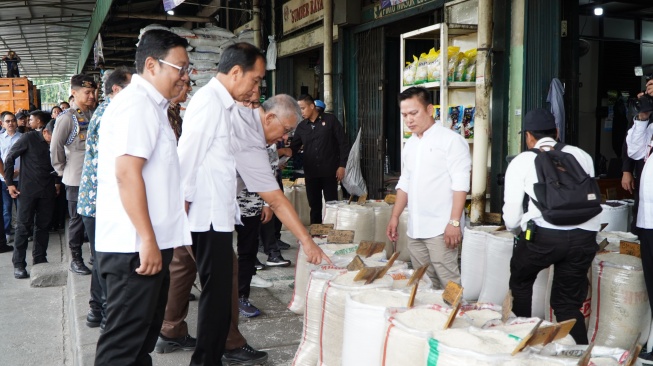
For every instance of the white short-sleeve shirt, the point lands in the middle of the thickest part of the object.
(136, 124)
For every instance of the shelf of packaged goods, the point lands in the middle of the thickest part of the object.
(451, 85)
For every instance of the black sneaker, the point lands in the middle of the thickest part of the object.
(282, 244)
(167, 345)
(245, 356)
(258, 265)
(277, 262)
(644, 357)
(6, 248)
(246, 309)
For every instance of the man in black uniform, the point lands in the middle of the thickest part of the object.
(38, 187)
(325, 154)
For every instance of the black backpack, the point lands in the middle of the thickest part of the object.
(565, 193)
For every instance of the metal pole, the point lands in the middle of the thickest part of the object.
(273, 88)
(256, 19)
(482, 114)
(328, 55)
(164, 17)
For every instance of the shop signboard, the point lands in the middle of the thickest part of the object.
(299, 13)
(386, 8)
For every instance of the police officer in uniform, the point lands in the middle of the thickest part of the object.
(67, 153)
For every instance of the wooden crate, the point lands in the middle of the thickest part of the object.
(14, 88)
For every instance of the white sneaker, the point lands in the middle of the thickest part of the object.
(258, 281)
(10, 238)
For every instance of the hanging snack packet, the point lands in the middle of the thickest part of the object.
(455, 118)
(436, 114)
(421, 76)
(432, 63)
(468, 122)
(409, 72)
(461, 68)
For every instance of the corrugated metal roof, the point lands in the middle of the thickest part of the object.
(46, 34)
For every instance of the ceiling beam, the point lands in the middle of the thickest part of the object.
(120, 35)
(97, 19)
(165, 17)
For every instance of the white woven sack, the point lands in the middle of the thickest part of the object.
(289, 192)
(204, 40)
(471, 346)
(182, 32)
(202, 75)
(357, 218)
(614, 238)
(472, 261)
(209, 49)
(615, 217)
(198, 56)
(214, 31)
(402, 242)
(408, 332)
(150, 27)
(330, 215)
(620, 306)
(301, 205)
(497, 267)
(308, 351)
(205, 65)
(364, 323)
(332, 333)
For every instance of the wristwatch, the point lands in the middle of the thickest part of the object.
(454, 223)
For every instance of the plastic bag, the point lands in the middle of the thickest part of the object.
(421, 76)
(353, 180)
(271, 55)
(454, 57)
(409, 72)
(461, 68)
(431, 64)
(468, 122)
(470, 73)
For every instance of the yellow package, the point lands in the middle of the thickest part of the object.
(432, 64)
(409, 72)
(453, 53)
(421, 76)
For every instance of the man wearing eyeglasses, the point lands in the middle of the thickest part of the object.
(67, 155)
(7, 140)
(140, 214)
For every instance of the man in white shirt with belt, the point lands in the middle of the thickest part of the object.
(140, 214)
(571, 248)
(640, 145)
(209, 183)
(434, 183)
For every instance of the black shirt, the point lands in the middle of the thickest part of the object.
(325, 146)
(37, 177)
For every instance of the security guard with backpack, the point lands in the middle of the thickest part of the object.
(552, 203)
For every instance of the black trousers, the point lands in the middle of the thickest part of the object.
(60, 208)
(75, 225)
(37, 211)
(136, 305)
(247, 244)
(314, 188)
(214, 257)
(98, 301)
(571, 252)
(268, 238)
(646, 249)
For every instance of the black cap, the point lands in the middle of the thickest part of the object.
(20, 115)
(82, 81)
(539, 119)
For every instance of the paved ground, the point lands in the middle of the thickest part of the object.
(46, 326)
(277, 331)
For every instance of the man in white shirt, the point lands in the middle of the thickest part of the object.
(571, 248)
(140, 217)
(210, 188)
(434, 183)
(640, 143)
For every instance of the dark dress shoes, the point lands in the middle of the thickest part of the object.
(20, 273)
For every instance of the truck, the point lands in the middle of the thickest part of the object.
(18, 93)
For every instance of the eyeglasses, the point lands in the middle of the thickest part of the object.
(249, 103)
(11, 121)
(188, 69)
(286, 130)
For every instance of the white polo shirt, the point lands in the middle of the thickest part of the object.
(136, 124)
(208, 167)
(434, 167)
